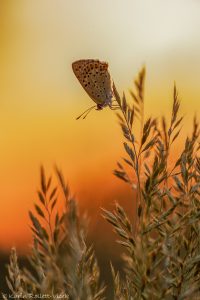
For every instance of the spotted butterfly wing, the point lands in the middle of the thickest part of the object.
(95, 78)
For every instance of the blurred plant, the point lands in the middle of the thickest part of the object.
(62, 265)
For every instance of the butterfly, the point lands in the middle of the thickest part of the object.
(95, 78)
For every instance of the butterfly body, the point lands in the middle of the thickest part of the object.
(95, 78)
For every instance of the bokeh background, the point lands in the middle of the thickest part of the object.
(40, 96)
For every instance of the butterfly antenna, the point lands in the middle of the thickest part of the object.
(86, 112)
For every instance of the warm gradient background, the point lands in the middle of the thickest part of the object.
(40, 96)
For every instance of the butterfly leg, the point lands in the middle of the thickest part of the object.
(115, 108)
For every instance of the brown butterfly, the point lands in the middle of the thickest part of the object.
(95, 78)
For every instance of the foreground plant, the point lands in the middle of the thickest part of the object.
(161, 245)
(162, 250)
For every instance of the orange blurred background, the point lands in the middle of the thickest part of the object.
(40, 96)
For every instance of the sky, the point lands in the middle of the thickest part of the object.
(40, 97)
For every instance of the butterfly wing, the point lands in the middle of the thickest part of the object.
(95, 78)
